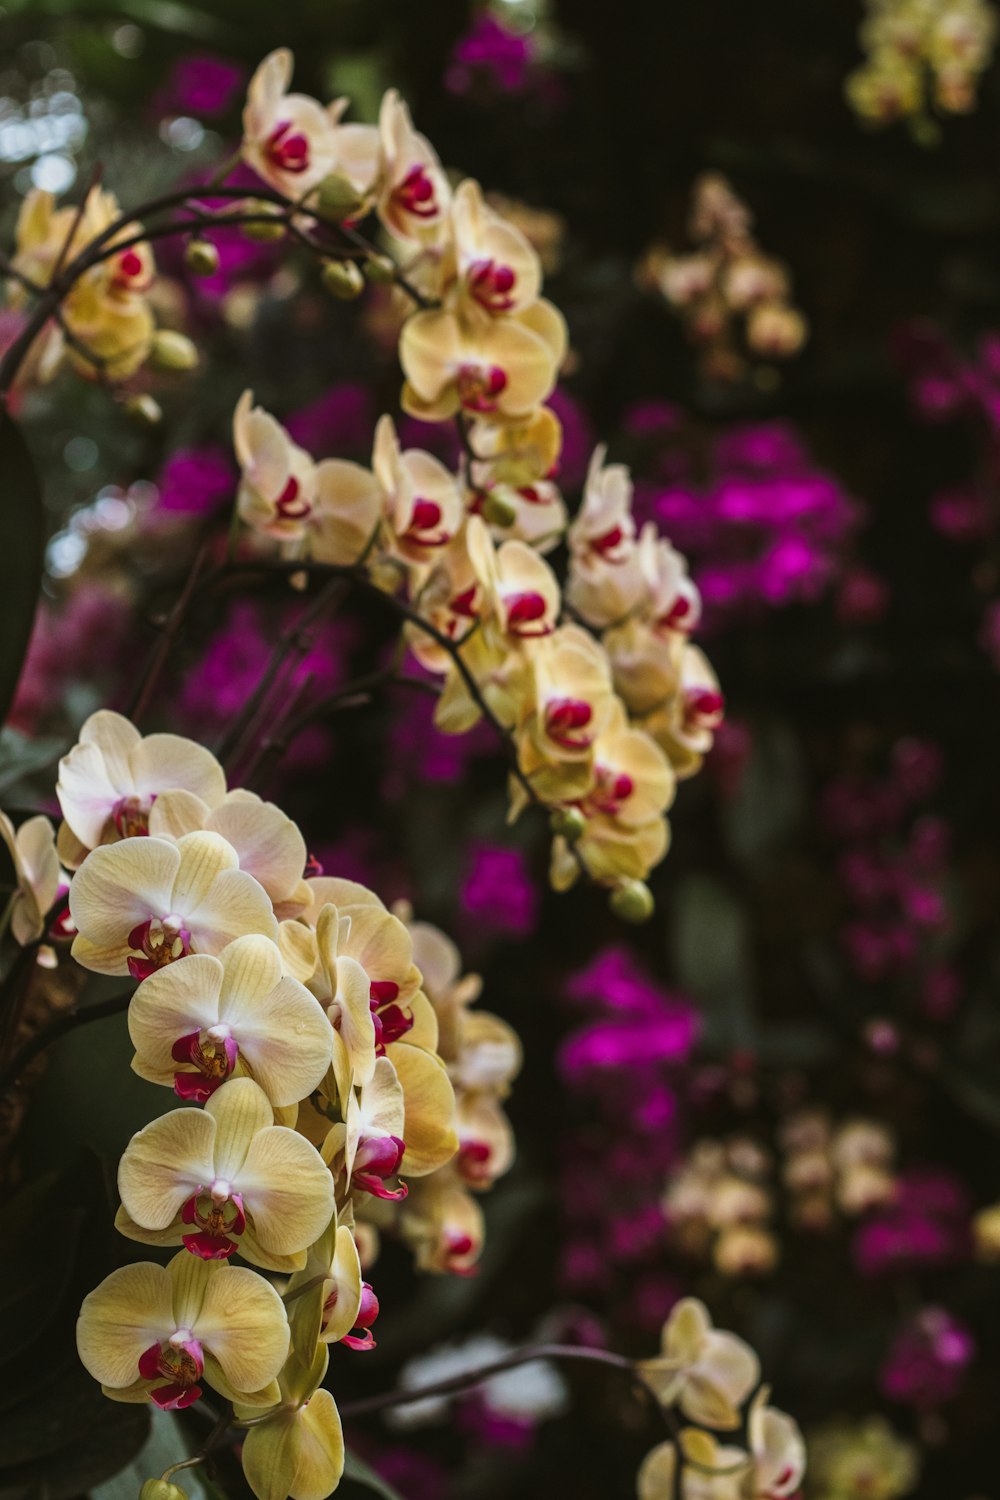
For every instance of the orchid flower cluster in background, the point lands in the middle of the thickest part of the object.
(734, 300)
(922, 56)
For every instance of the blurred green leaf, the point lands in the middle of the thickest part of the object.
(22, 545)
(359, 1472)
(165, 1446)
(68, 1440)
(770, 799)
(711, 958)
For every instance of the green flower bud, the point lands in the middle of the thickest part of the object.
(144, 411)
(173, 351)
(343, 279)
(632, 901)
(568, 823)
(380, 270)
(201, 258)
(498, 510)
(161, 1489)
(263, 230)
(337, 198)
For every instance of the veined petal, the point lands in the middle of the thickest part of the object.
(116, 737)
(298, 1454)
(164, 1163)
(355, 1021)
(288, 1190)
(345, 1276)
(189, 1278)
(235, 905)
(429, 1104)
(203, 857)
(238, 1112)
(286, 1043)
(297, 945)
(120, 885)
(242, 1321)
(130, 1310)
(251, 967)
(175, 813)
(268, 844)
(165, 762)
(181, 998)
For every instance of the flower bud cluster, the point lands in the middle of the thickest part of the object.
(289, 1016)
(921, 56)
(734, 300)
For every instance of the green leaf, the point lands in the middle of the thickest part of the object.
(359, 1472)
(166, 1445)
(711, 958)
(22, 547)
(70, 1439)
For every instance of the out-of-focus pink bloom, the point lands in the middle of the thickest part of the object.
(927, 1361)
(962, 515)
(925, 1226)
(196, 480)
(577, 438)
(490, 54)
(862, 598)
(499, 892)
(338, 424)
(87, 635)
(201, 85)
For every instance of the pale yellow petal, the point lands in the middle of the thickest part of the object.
(165, 1163)
(120, 1319)
(238, 1111)
(242, 1321)
(173, 1002)
(287, 1188)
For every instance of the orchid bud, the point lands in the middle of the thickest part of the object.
(263, 230)
(498, 510)
(380, 270)
(144, 411)
(343, 279)
(173, 351)
(201, 258)
(161, 1489)
(337, 198)
(568, 823)
(632, 901)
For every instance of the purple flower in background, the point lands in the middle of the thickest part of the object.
(765, 529)
(338, 424)
(201, 85)
(926, 1226)
(577, 439)
(195, 480)
(499, 892)
(927, 1361)
(491, 54)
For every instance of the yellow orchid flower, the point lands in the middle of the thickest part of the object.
(493, 369)
(203, 1020)
(413, 193)
(37, 873)
(488, 261)
(268, 843)
(520, 590)
(349, 1306)
(422, 504)
(288, 139)
(156, 1332)
(146, 902)
(708, 1373)
(368, 1146)
(443, 1224)
(327, 511)
(225, 1178)
(111, 778)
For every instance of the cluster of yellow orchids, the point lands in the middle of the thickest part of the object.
(335, 1079)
